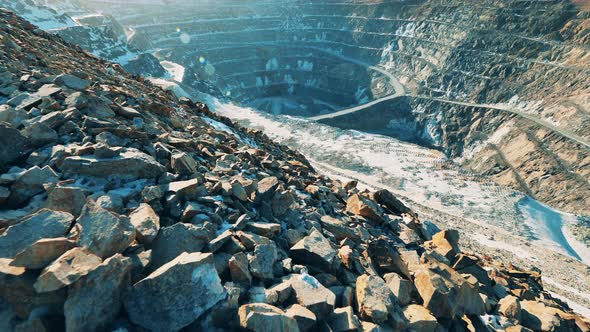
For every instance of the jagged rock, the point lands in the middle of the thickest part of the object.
(238, 191)
(266, 189)
(13, 144)
(262, 261)
(339, 228)
(344, 320)
(130, 164)
(100, 109)
(314, 249)
(446, 293)
(67, 269)
(146, 223)
(269, 230)
(346, 255)
(401, 288)
(509, 307)
(173, 240)
(364, 207)
(12, 116)
(184, 164)
(42, 252)
(128, 112)
(30, 183)
(250, 241)
(103, 232)
(306, 320)
(262, 295)
(102, 151)
(95, 301)
(539, 317)
(176, 294)
(310, 293)
(77, 100)
(27, 101)
(282, 202)
(72, 82)
(372, 327)
(39, 134)
(30, 229)
(387, 199)
(239, 269)
(17, 294)
(262, 317)
(111, 202)
(221, 240)
(374, 299)
(67, 199)
(188, 189)
(408, 235)
(446, 244)
(420, 319)
(7, 268)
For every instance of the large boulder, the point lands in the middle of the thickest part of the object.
(176, 294)
(314, 250)
(509, 307)
(67, 199)
(339, 228)
(262, 317)
(362, 206)
(374, 299)
(344, 320)
(43, 224)
(540, 317)
(420, 319)
(103, 232)
(387, 199)
(239, 269)
(401, 288)
(445, 243)
(131, 163)
(43, 252)
(30, 183)
(266, 189)
(18, 292)
(173, 240)
(66, 270)
(306, 319)
(39, 134)
(146, 223)
(263, 260)
(310, 293)
(446, 293)
(13, 144)
(72, 82)
(183, 164)
(95, 301)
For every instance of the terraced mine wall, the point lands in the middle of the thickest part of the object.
(503, 85)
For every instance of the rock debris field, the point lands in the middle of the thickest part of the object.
(123, 208)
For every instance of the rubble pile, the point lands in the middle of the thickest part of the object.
(123, 207)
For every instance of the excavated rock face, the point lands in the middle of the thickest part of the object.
(177, 225)
(503, 84)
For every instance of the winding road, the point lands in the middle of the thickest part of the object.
(401, 92)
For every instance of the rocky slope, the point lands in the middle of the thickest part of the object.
(124, 207)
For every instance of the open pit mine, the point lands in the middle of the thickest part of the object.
(292, 165)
